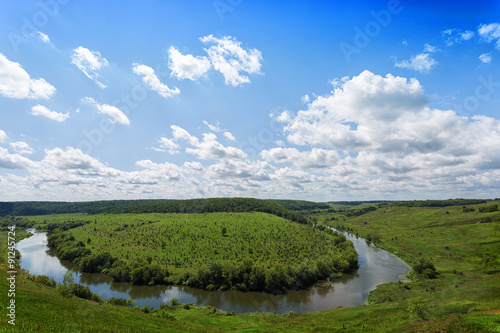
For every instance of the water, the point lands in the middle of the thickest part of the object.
(375, 267)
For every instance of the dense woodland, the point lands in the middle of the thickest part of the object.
(150, 206)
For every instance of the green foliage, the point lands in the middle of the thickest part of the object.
(191, 249)
(96, 263)
(174, 302)
(121, 301)
(417, 307)
(299, 205)
(488, 208)
(434, 203)
(425, 268)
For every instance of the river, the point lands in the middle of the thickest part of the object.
(375, 267)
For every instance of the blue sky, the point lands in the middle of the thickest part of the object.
(323, 100)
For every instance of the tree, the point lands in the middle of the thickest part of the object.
(425, 268)
(223, 230)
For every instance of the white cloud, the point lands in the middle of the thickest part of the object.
(486, 58)
(209, 148)
(90, 63)
(196, 166)
(181, 133)
(305, 99)
(316, 158)
(490, 33)
(467, 35)
(213, 127)
(228, 57)
(236, 169)
(456, 36)
(381, 136)
(15, 82)
(149, 77)
(42, 37)
(14, 161)
(422, 63)
(40, 110)
(21, 148)
(430, 49)
(3, 136)
(116, 114)
(229, 136)
(168, 145)
(187, 66)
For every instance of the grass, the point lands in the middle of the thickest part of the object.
(185, 242)
(464, 297)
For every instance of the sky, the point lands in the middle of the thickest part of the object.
(309, 100)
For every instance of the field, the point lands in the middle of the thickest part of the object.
(464, 297)
(191, 246)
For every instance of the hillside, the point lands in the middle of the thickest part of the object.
(244, 251)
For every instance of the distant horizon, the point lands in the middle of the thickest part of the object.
(309, 100)
(331, 201)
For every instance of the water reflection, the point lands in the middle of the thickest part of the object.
(375, 267)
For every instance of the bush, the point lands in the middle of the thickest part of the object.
(425, 269)
(174, 302)
(117, 301)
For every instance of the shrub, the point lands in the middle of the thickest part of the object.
(174, 301)
(425, 269)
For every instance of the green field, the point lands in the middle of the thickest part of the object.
(250, 251)
(465, 296)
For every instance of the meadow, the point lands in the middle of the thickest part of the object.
(243, 251)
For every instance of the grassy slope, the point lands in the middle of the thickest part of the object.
(184, 242)
(467, 302)
(466, 254)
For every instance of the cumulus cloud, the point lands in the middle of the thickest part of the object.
(208, 148)
(90, 63)
(237, 169)
(14, 161)
(15, 82)
(43, 111)
(149, 77)
(228, 57)
(181, 133)
(486, 58)
(3, 136)
(377, 131)
(490, 33)
(21, 147)
(196, 166)
(117, 116)
(315, 158)
(187, 66)
(168, 145)
(229, 136)
(422, 63)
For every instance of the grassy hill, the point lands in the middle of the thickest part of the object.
(244, 251)
(463, 298)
